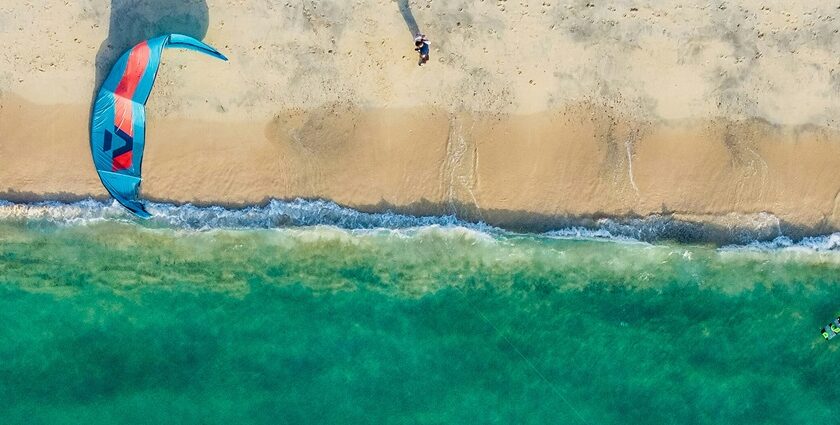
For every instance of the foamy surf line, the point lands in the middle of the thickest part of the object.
(276, 214)
(305, 213)
(817, 243)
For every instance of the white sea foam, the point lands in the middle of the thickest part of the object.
(275, 214)
(826, 243)
(306, 213)
(582, 233)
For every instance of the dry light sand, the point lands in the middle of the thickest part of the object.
(530, 113)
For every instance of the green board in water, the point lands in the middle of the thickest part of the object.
(832, 329)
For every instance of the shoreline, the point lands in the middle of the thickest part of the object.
(730, 230)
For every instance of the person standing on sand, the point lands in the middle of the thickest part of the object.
(421, 45)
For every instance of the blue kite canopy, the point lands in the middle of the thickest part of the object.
(118, 124)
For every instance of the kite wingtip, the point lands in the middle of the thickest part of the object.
(143, 214)
(140, 212)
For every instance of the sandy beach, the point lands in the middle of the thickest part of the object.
(529, 113)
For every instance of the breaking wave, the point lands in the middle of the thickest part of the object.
(296, 213)
(762, 232)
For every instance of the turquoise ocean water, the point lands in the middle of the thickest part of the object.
(306, 313)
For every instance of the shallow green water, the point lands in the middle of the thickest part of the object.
(115, 323)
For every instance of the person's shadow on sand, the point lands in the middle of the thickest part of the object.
(133, 21)
(408, 17)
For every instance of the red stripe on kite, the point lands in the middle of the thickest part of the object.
(122, 162)
(138, 61)
(135, 67)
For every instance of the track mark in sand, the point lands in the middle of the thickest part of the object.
(764, 170)
(453, 172)
(629, 145)
(836, 210)
(751, 166)
(310, 160)
(307, 14)
(474, 179)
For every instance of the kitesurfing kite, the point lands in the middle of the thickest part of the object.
(118, 124)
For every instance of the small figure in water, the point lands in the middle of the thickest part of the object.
(421, 45)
